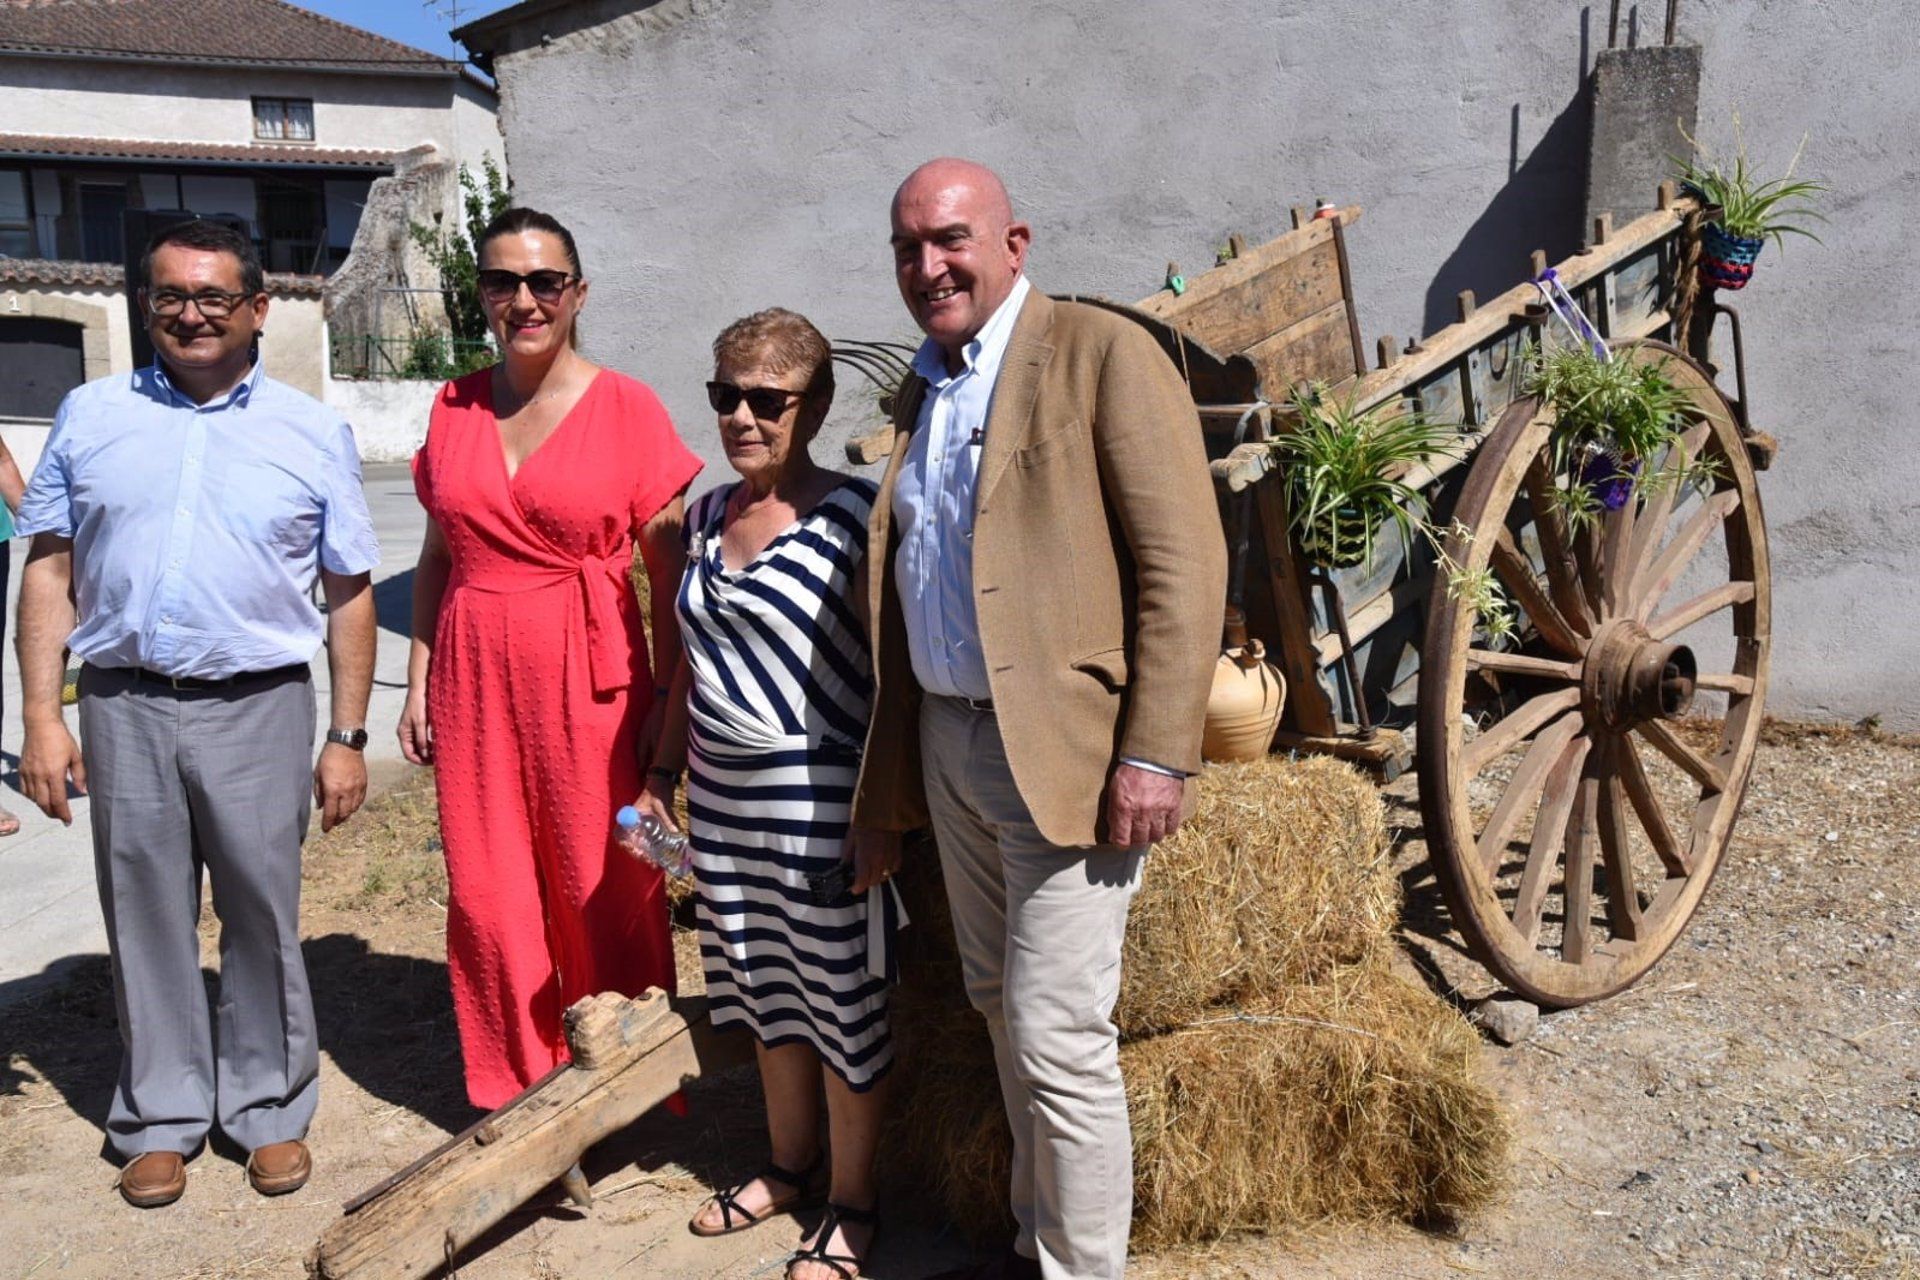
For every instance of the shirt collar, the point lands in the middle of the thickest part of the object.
(239, 397)
(982, 355)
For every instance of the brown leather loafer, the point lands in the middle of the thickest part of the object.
(153, 1178)
(279, 1167)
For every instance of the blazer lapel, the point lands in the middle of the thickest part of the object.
(1028, 352)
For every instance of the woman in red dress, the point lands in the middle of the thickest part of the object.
(529, 686)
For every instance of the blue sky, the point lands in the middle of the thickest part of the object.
(423, 25)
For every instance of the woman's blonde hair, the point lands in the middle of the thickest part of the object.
(785, 340)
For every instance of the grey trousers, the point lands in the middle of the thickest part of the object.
(224, 781)
(1039, 929)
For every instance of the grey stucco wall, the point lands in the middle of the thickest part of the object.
(717, 156)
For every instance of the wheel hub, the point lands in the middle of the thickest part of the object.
(1631, 678)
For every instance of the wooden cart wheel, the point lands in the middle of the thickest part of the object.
(1574, 813)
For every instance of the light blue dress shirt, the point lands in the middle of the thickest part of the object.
(933, 507)
(198, 529)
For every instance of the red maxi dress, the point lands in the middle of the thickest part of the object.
(539, 683)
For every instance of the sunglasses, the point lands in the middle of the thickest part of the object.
(498, 285)
(764, 403)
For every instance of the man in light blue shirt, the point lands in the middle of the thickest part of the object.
(179, 516)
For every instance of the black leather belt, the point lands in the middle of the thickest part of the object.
(199, 684)
(983, 705)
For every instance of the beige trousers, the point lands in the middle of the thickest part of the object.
(1039, 929)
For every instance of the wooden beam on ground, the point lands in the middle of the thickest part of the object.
(629, 1056)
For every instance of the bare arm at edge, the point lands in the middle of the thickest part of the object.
(49, 756)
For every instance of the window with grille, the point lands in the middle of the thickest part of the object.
(283, 119)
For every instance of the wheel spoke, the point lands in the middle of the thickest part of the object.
(1702, 770)
(1616, 845)
(1704, 605)
(1633, 776)
(1576, 888)
(1521, 664)
(1616, 557)
(1725, 682)
(1516, 572)
(1587, 556)
(1662, 574)
(1653, 521)
(1563, 576)
(1549, 837)
(1523, 720)
(1523, 787)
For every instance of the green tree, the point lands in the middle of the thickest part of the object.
(451, 250)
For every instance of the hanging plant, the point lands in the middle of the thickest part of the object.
(1752, 211)
(1616, 431)
(1342, 470)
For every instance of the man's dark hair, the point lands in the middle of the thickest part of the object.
(214, 237)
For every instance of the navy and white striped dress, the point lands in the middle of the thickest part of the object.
(778, 715)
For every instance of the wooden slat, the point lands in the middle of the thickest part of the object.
(1244, 300)
(1653, 819)
(1576, 885)
(1310, 711)
(1563, 575)
(1521, 664)
(1725, 682)
(1314, 349)
(1516, 571)
(1658, 577)
(1703, 771)
(642, 1051)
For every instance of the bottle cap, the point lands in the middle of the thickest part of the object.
(628, 818)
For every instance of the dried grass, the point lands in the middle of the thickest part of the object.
(1280, 877)
(1293, 1081)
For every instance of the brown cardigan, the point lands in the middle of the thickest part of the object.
(1099, 573)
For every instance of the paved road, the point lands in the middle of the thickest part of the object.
(49, 915)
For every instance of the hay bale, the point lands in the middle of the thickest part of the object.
(1357, 1099)
(1353, 1100)
(1280, 877)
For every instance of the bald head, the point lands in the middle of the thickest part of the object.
(957, 249)
(967, 179)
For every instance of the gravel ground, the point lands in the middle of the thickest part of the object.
(1751, 1109)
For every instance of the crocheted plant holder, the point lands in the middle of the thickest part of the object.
(1726, 261)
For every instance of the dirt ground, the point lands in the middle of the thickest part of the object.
(1751, 1109)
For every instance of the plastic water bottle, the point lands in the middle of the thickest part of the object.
(645, 836)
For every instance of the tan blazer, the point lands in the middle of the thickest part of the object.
(1099, 573)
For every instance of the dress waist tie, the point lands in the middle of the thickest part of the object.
(603, 581)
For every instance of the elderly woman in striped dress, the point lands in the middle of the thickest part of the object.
(768, 716)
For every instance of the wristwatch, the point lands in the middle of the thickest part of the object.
(353, 738)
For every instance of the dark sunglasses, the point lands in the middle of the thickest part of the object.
(498, 285)
(764, 403)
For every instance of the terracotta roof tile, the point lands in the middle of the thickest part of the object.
(111, 275)
(261, 32)
(23, 144)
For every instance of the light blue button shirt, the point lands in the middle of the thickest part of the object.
(198, 529)
(933, 507)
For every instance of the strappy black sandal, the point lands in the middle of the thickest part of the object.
(840, 1262)
(730, 1206)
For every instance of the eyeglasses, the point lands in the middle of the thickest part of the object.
(764, 403)
(498, 285)
(213, 304)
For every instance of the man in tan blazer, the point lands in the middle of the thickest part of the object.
(1046, 578)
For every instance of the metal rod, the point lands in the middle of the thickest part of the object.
(1739, 366)
(1673, 18)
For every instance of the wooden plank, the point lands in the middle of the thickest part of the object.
(1452, 343)
(1313, 349)
(630, 1055)
(1247, 298)
(1309, 709)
